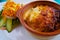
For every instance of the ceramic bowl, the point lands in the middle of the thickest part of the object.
(21, 12)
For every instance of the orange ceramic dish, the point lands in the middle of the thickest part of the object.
(23, 10)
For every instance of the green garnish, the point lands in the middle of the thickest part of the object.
(9, 25)
(2, 22)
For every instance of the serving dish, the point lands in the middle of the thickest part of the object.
(21, 11)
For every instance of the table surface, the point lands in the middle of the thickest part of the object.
(20, 32)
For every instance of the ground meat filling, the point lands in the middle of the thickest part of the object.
(48, 19)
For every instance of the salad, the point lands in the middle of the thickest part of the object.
(8, 17)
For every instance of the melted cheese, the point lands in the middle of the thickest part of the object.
(32, 14)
